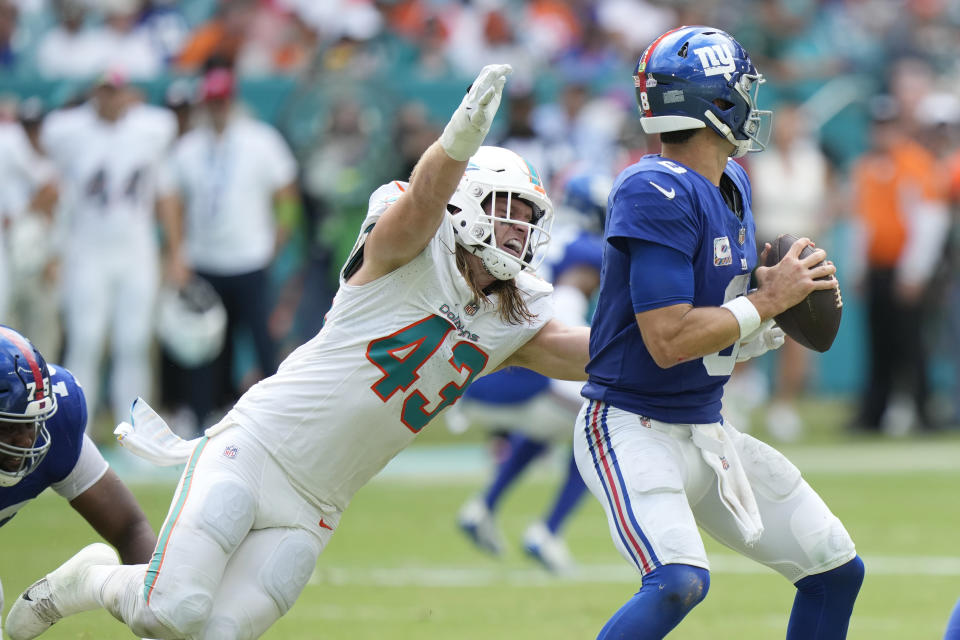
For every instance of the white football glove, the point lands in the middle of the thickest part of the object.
(767, 336)
(470, 123)
(148, 436)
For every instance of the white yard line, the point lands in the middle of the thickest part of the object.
(885, 457)
(453, 576)
(466, 463)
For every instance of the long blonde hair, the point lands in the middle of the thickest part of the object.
(511, 305)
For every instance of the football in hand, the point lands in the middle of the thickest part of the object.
(814, 322)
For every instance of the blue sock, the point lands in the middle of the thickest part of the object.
(824, 602)
(568, 498)
(953, 626)
(522, 451)
(668, 594)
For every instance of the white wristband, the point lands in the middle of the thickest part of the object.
(746, 314)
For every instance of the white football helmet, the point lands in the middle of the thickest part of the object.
(491, 173)
(191, 323)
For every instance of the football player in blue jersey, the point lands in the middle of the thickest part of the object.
(533, 410)
(674, 314)
(43, 416)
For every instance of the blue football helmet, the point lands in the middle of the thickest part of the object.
(27, 401)
(685, 71)
(585, 200)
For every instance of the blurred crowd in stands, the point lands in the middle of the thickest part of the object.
(864, 159)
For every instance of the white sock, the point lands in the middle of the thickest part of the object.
(120, 591)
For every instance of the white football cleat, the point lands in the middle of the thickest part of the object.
(476, 520)
(58, 594)
(548, 549)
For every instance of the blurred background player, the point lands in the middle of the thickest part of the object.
(110, 153)
(533, 412)
(43, 445)
(28, 258)
(236, 179)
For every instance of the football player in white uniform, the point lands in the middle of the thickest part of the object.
(436, 292)
(110, 153)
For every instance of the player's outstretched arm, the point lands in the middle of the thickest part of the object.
(113, 511)
(407, 226)
(557, 351)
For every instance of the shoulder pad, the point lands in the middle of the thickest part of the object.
(533, 285)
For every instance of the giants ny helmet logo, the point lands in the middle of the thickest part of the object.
(716, 59)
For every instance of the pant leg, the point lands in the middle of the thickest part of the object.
(638, 475)
(801, 536)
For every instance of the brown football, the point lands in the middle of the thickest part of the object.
(815, 321)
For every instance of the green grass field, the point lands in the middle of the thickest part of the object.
(398, 568)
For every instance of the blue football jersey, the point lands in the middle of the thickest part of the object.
(661, 201)
(66, 429)
(569, 247)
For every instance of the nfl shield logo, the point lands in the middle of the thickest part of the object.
(722, 256)
(231, 451)
(742, 235)
(471, 308)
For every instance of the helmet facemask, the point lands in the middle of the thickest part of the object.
(488, 221)
(29, 457)
(27, 401)
(751, 127)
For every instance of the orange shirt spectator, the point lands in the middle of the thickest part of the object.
(886, 183)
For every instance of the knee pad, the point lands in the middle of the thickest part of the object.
(768, 470)
(288, 568)
(680, 587)
(225, 628)
(228, 512)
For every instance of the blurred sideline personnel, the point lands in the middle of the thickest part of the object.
(535, 412)
(791, 194)
(43, 416)
(236, 177)
(900, 200)
(264, 490)
(27, 255)
(673, 317)
(110, 153)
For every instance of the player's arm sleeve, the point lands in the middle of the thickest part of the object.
(89, 468)
(640, 210)
(660, 276)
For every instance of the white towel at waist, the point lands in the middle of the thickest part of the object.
(716, 447)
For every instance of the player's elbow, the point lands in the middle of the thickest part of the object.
(663, 352)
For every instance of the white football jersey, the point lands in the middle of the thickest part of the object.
(392, 355)
(111, 172)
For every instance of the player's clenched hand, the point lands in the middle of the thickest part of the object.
(786, 283)
(470, 123)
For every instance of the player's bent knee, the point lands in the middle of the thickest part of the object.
(845, 579)
(228, 513)
(187, 613)
(680, 587)
(287, 570)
